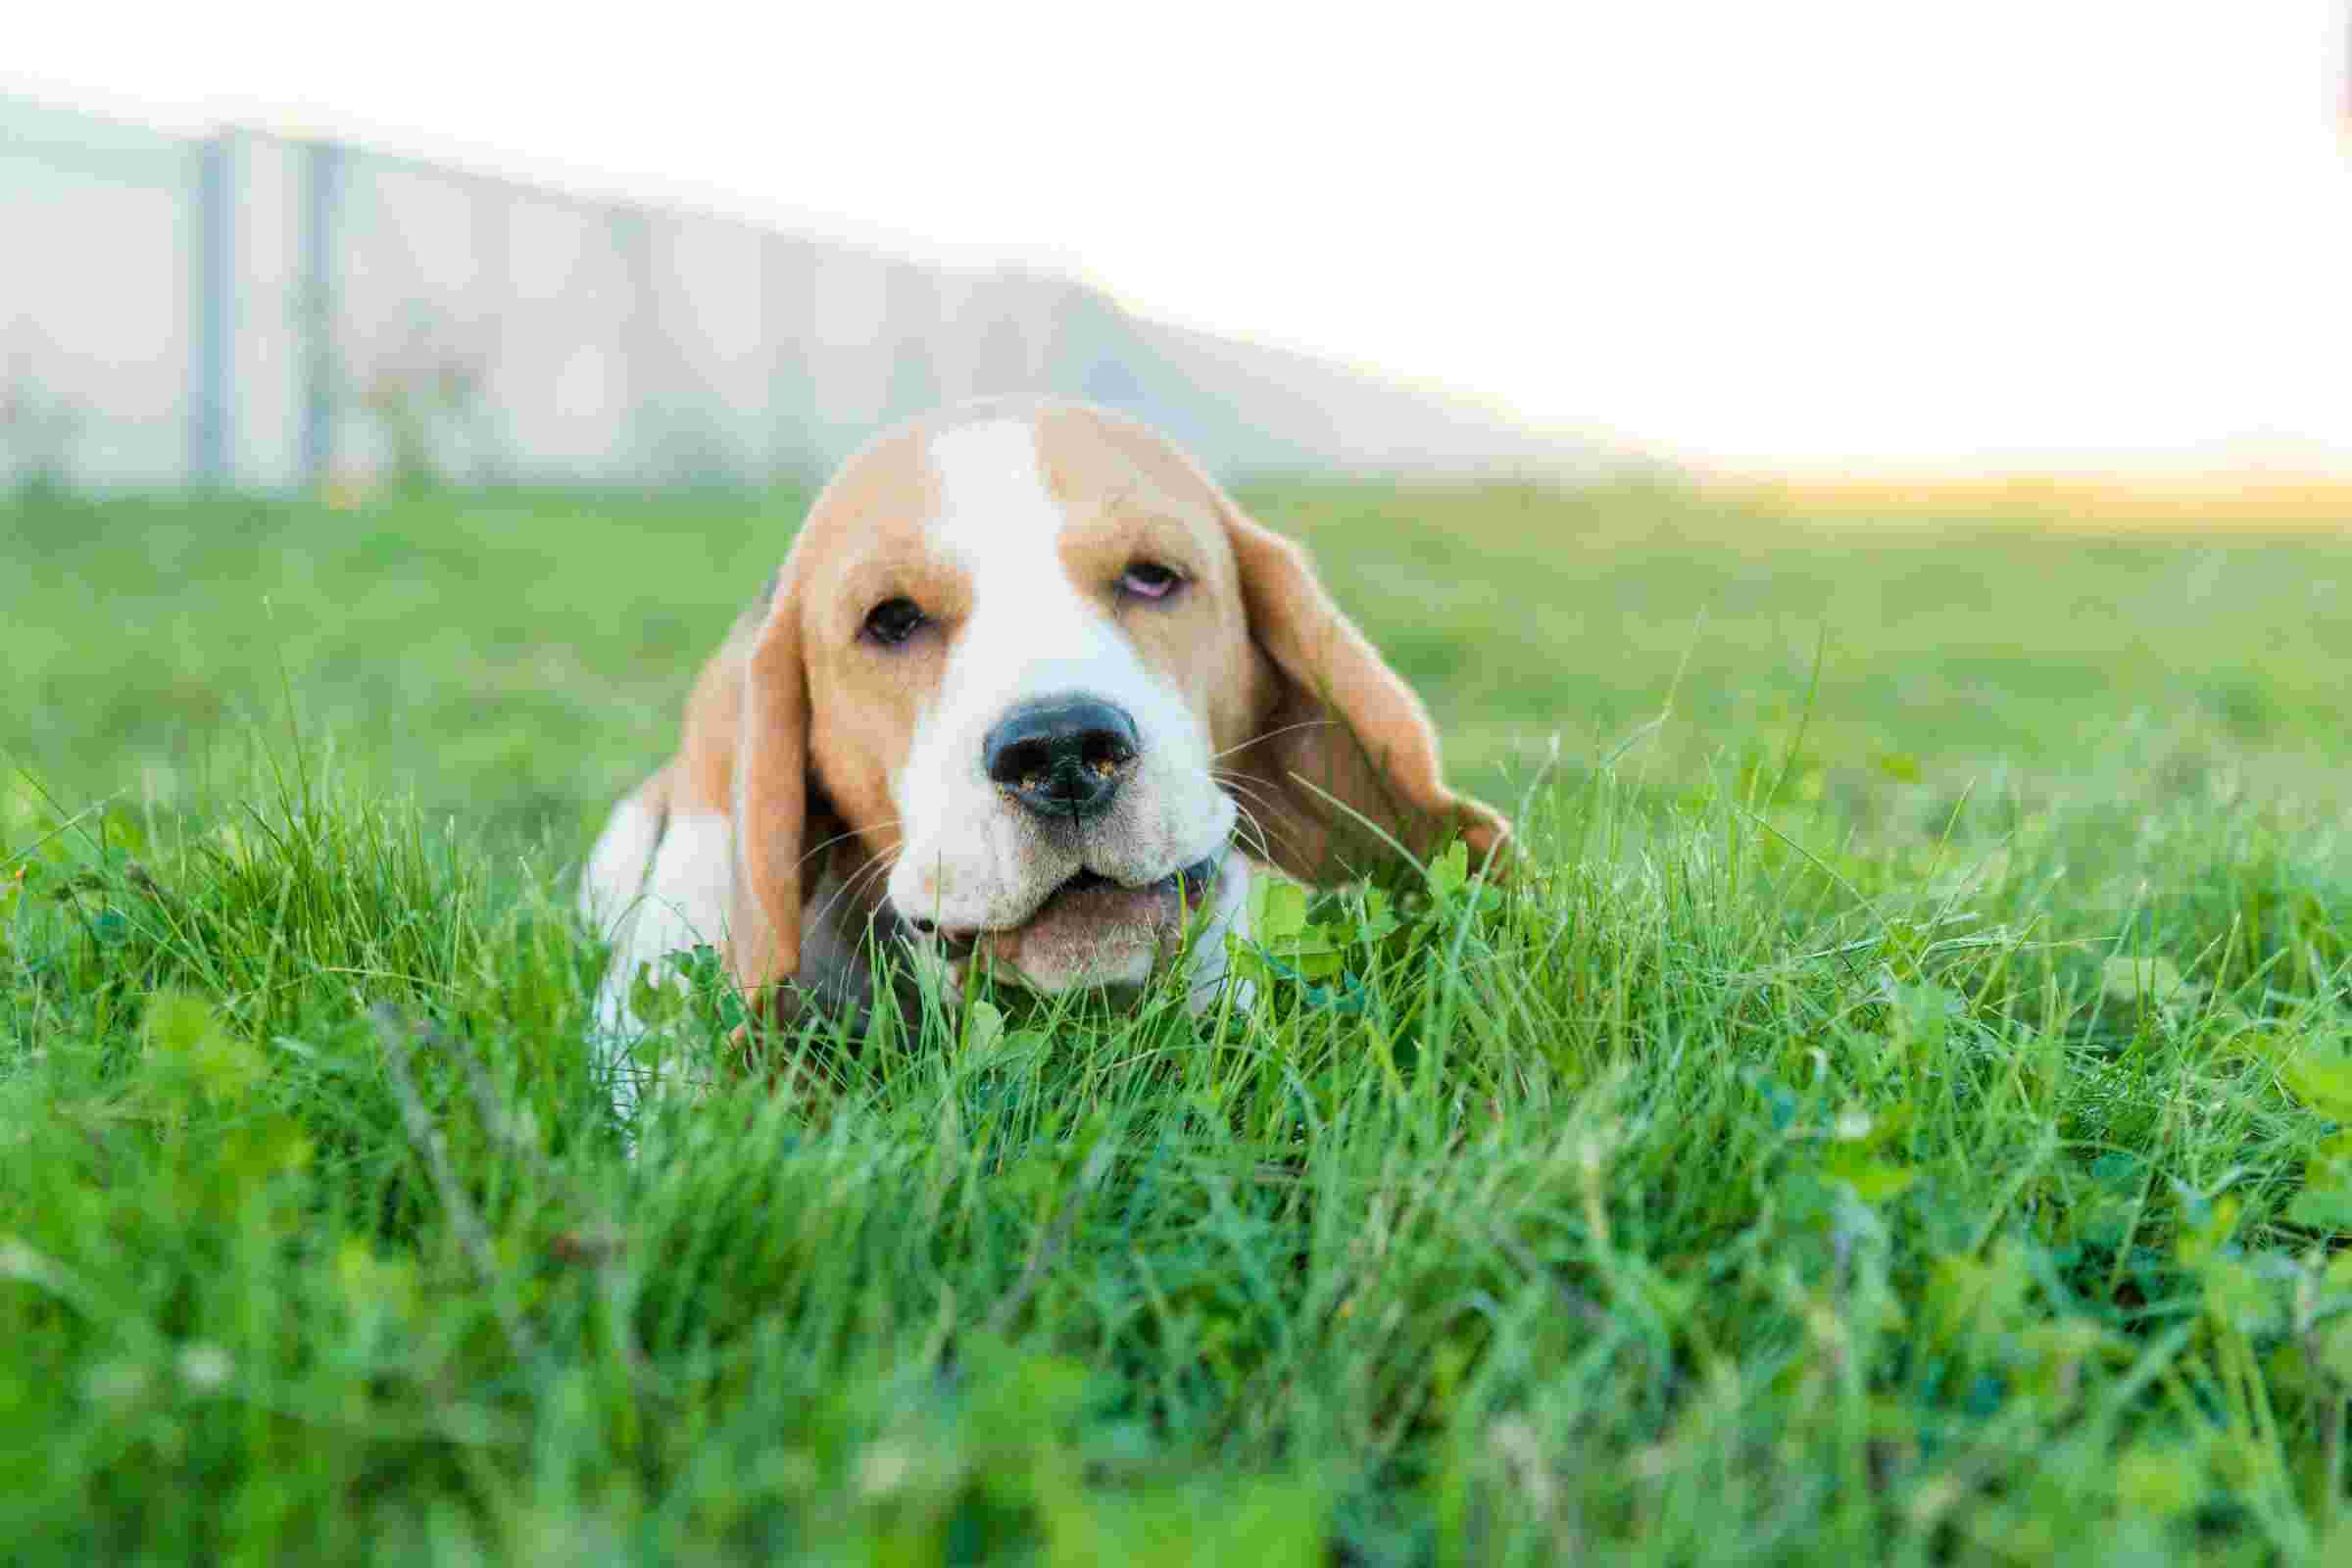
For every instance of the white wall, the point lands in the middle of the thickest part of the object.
(95, 300)
(350, 314)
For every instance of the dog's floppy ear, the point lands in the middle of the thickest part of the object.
(1335, 724)
(772, 804)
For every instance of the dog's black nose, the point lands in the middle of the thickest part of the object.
(1062, 755)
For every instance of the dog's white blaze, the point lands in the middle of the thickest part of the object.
(970, 859)
(1031, 633)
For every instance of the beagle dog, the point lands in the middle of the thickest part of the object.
(1029, 690)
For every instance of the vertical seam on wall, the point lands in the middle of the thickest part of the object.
(322, 196)
(215, 311)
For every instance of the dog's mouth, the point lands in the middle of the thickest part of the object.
(1087, 896)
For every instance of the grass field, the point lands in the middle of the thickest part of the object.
(1901, 1116)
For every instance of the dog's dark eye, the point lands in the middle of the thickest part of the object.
(894, 620)
(1148, 580)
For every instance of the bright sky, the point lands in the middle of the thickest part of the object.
(1807, 232)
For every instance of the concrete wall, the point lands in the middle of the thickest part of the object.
(96, 304)
(253, 312)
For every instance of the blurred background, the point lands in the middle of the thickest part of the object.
(1826, 237)
(1940, 385)
(246, 309)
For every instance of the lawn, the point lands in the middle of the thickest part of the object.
(1899, 1118)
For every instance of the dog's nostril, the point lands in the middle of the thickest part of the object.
(1023, 763)
(923, 927)
(1103, 752)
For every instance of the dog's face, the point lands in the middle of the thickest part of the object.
(1017, 687)
(1033, 668)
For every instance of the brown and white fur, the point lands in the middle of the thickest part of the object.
(834, 777)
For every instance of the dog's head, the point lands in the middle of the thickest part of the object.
(1034, 673)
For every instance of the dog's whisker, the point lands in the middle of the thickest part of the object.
(1251, 835)
(855, 883)
(1262, 839)
(1251, 792)
(839, 838)
(867, 876)
(1268, 844)
(1261, 739)
(1243, 785)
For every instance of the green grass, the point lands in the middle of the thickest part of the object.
(1899, 1117)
